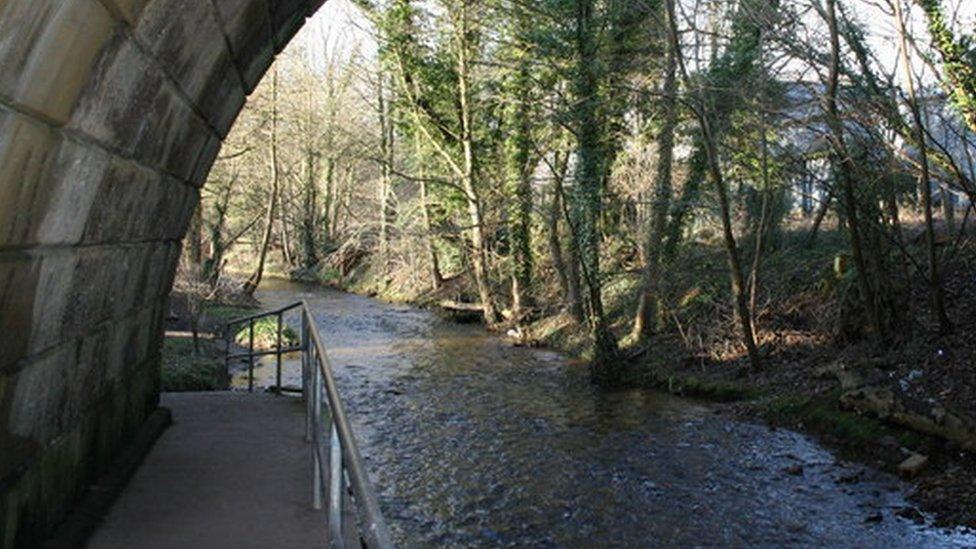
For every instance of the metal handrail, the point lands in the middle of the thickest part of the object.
(338, 467)
(250, 355)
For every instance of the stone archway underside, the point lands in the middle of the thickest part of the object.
(111, 115)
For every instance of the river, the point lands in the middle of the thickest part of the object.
(473, 442)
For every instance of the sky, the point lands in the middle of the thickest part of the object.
(338, 28)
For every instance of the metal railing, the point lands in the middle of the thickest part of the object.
(251, 354)
(354, 514)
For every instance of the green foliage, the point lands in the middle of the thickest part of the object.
(220, 314)
(266, 334)
(958, 60)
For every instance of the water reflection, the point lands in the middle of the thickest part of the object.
(472, 442)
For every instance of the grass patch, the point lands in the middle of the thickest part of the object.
(220, 314)
(183, 369)
(266, 334)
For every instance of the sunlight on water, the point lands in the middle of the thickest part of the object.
(472, 442)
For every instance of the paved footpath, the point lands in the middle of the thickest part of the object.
(232, 471)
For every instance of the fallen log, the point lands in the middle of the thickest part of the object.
(461, 307)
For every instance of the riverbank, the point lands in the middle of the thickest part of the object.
(457, 423)
(903, 409)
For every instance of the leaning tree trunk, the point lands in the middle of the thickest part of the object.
(255, 280)
(959, 71)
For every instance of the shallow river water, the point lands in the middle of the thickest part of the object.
(473, 442)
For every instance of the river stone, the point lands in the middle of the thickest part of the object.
(913, 465)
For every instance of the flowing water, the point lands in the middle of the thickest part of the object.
(473, 442)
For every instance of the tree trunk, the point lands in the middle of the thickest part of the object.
(845, 171)
(479, 254)
(646, 319)
(936, 291)
(715, 174)
(818, 219)
(517, 170)
(948, 211)
(310, 213)
(285, 235)
(386, 177)
(682, 207)
(436, 278)
(195, 236)
(255, 280)
(561, 164)
(587, 204)
(433, 262)
(762, 228)
(959, 76)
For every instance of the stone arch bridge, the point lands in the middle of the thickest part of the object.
(111, 115)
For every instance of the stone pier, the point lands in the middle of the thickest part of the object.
(111, 115)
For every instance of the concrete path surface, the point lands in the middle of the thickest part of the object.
(232, 471)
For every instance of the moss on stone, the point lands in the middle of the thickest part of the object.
(39, 496)
(824, 415)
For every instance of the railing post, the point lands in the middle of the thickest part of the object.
(316, 433)
(227, 336)
(250, 358)
(335, 488)
(306, 375)
(278, 367)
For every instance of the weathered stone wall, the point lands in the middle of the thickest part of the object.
(111, 114)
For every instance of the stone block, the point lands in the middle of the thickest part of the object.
(31, 302)
(25, 152)
(206, 161)
(48, 479)
(135, 204)
(22, 22)
(53, 297)
(123, 88)
(61, 57)
(130, 105)
(175, 137)
(46, 47)
(288, 17)
(187, 40)
(38, 396)
(69, 190)
(127, 10)
(247, 25)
